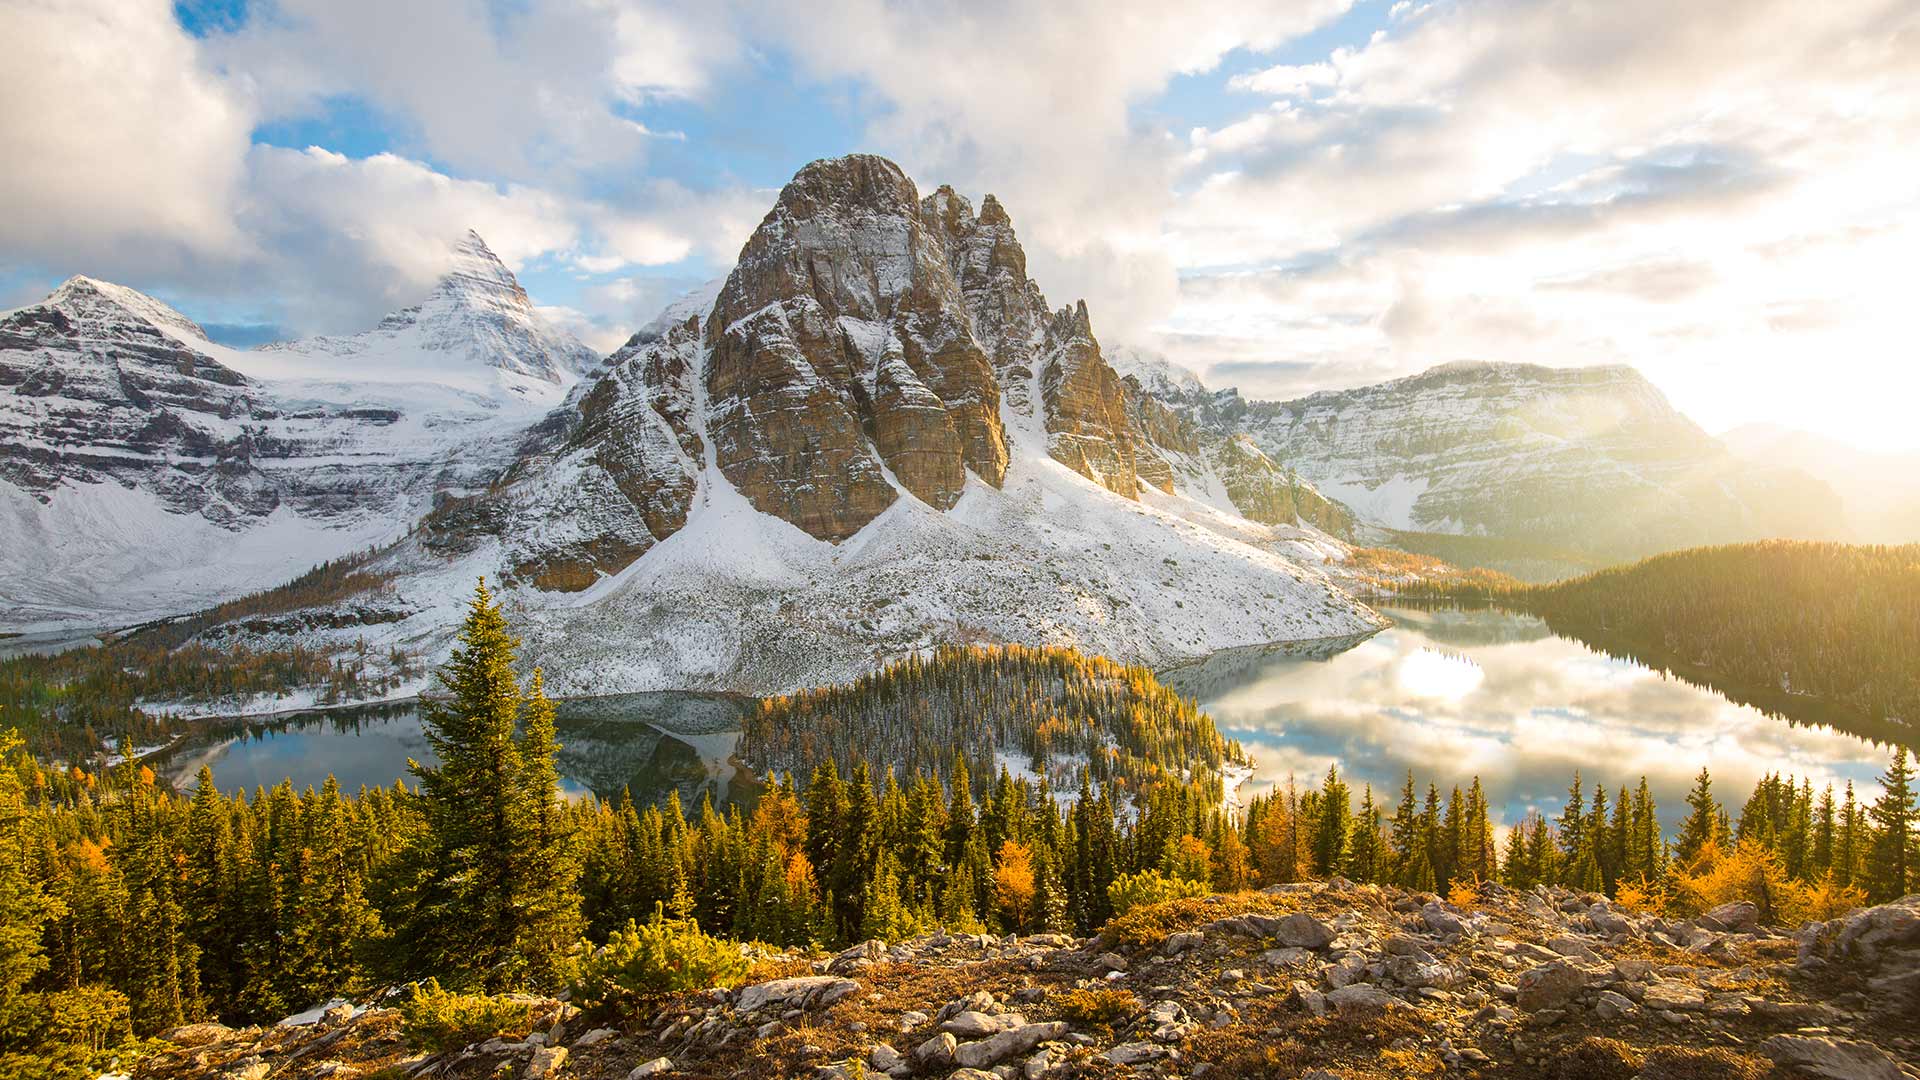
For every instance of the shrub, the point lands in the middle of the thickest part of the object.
(1464, 895)
(660, 957)
(1595, 1058)
(1641, 897)
(441, 1020)
(1695, 1063)
(1130, 891)
(1096, 1008)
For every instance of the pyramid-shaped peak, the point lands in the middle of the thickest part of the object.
(83, 295)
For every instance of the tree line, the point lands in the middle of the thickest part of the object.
(1781, 624)
(134, 909)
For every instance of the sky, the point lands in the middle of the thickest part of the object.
(1282, 196)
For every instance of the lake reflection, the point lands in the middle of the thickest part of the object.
(650, 744)
(1455, 694)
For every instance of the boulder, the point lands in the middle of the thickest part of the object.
(1669, 995)
(546, 1062)
(799, 992)
(1734, 918)
(937, 1051)
(1363, 1000)
(970, 1024)
(1134, 1053)
(1550, 985)
(1442, 918)
(885, 1058)
(1303, 931)
(650, 1068)
(988, 1052)
(1837, 1059)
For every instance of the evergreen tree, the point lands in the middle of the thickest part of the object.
(1334, 824)
(1893, 816)
(25, 909)
(1702, 826)
(481, 909)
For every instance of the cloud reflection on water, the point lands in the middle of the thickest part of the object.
(1456, 694)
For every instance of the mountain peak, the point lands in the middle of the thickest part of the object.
(83, 295)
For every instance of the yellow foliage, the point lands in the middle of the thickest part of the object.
(1640, 897)
(1013, 883)
(1464, 894)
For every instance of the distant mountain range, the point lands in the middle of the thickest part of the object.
(1879, 492)
(875, 434)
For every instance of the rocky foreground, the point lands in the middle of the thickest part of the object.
(1315, 981)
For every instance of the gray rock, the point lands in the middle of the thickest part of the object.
(1612, 1006)
(971, 1024)
(594, 1038)
(1135, 1053)
(650, 1068)
(885, 1058)
(1669, 995)
(1442, 918)
(1549, 986)
(1181, 942)
(937, 1051)
(1837, 1059)
(1350, 969)
(1363, 1001)
(1732, 918)
(1303, 931)
(546, 1062)
(800, 992)
(1287, 957)
(1608, 921)
(994, 1049)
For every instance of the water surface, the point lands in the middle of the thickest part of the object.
(650, 744)
(1453, 694)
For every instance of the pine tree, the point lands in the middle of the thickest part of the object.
(1893, 815)
(1335, 822)
(488, 841)
(1702, 826)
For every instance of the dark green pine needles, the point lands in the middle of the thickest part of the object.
(493, 899)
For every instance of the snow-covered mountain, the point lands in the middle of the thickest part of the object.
(145, 470)
(1588, 462)
(874, 437)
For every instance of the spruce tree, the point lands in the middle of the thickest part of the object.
(480, 911)
(1702, 826)
(1893, 816)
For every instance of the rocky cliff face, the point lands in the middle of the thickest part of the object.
(869, 343)
(843, 360)
(1184, 440)
(98, 391)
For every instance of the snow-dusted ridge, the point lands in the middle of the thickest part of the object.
(148, 471)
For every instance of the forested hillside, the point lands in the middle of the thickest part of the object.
(1821, 631)
(1045, 712)
(73, 705)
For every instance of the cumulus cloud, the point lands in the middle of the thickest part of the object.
(120, 142)
(1034, 103)
(1510, 180)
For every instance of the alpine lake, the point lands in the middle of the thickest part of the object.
(1449, 693)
